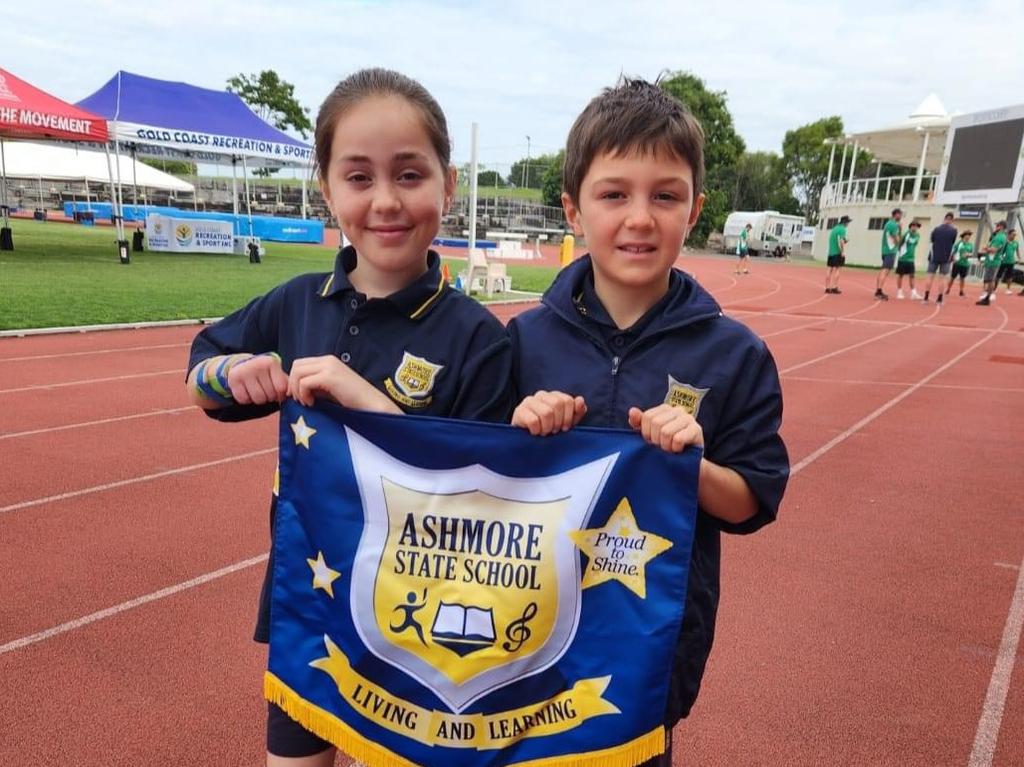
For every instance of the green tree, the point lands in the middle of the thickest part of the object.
(723, 147)
(805, 156)
(531, 170)
(273, 99)
(551, 184)
(489, 178)
(174, 167)
(762, 183)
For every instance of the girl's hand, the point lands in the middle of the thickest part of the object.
(258, 380)
(547, 412)
(329, 377)
(668, 427)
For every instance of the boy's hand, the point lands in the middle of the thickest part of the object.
(548, 412)
(329, 377)
(668, 427)
(258, 380)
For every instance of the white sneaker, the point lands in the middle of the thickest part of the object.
(915, 295)
(1008, 291)
(992, 295)
(899, 294)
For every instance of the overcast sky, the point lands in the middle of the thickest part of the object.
(528, 67)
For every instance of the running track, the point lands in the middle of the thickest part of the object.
(877, 623)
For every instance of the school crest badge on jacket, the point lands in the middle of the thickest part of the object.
(451, 593)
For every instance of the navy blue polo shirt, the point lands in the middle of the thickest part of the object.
(943, 239)
(431, 349)
(683, 351)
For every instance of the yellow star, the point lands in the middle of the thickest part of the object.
(323, 576)
(619, 557)
(303, 432)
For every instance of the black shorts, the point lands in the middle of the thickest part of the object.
(836, 260)
(888, 259)
(288, 738)
(1005, 272)
(905, 267)
(959, 271)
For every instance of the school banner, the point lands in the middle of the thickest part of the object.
(454, 594)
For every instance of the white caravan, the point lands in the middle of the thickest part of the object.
(772, 233)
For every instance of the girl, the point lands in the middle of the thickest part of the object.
(962, 252)
(383, 331)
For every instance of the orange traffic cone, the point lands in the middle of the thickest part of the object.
(445, 274)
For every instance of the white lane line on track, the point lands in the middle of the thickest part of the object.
(808, 460)
(133, 480)
(879, 337)
(85, 381)
(83, 424)
(991, 720)
(1007, 565)
(109, 612)
(60, 355)
(901, 384)
(759, 296)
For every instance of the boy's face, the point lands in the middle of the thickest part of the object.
(635, 212)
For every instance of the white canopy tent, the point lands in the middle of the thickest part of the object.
(29, 160)
(924, 129)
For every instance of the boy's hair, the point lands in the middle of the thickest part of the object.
(949, 216)
(378, 82)
(966, 233)
(915, 223)
(896, 211)
(634, 116)
(1000, 224)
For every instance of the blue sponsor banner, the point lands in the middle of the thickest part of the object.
(272, 228)
(461, 594)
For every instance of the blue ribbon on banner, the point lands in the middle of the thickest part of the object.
(464, 594)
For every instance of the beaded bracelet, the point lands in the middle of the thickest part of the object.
(216, 387)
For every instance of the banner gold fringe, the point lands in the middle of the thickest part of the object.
(327, 726)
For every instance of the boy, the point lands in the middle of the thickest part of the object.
(891, 236)
(623, 340)
(962, 252)
(905, 265)
(943, 239)
(743, 250)
(836, 255)
(1009, 260)
(993, 261)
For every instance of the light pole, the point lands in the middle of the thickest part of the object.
(526, 167)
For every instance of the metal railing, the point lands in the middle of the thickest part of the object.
(868, 191)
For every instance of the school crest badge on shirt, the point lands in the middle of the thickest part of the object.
(684, 395)
(413, 381)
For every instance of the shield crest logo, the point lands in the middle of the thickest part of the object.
(684, 395)
(468, 580)
(413, 381)
(415, 376)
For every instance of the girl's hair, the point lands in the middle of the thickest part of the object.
(378, 82)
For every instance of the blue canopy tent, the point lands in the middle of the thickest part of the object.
(161, 118)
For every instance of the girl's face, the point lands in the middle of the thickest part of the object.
(386, 187)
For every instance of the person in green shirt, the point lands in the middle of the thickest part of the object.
(993, 253)
(837, 240)
(892, 235)
(906, 265)
(962, 253)
(742, 250)
(1009, 259)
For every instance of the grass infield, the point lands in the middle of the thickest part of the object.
(64, 274)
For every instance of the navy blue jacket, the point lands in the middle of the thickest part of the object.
(684, 343)
(318, 314)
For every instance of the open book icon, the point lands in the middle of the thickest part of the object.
(463, 628)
